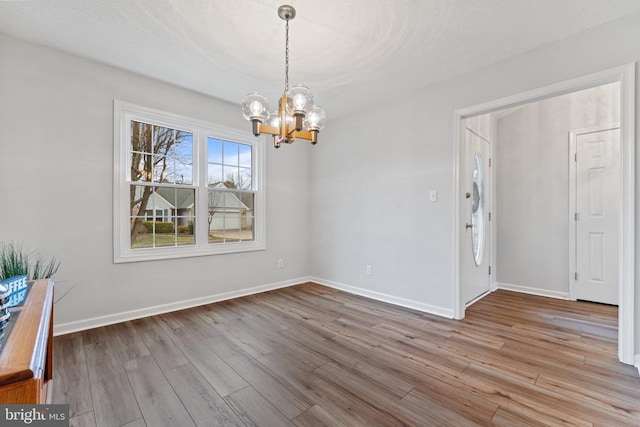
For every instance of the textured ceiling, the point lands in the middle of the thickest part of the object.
(349, 52)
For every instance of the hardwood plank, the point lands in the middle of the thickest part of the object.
(434, 413)
(87, 419)
(158, 402)
(370, 392)
(136, 423)
(616, 405)
(219, 313)
(344, 353)
(113, 401)
(507, 418)
(285, 345)
(193, 324)
(342, 404)
(71, 385)
(164, 351)
(470, 402)
(522, 397)
(316, 416)
(95, 335)
(205, 406)
(237, 335)
(220, 375)
(269, 385)
(255, 410)
(127, 341)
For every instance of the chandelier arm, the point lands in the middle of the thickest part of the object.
(262, 128)
(302, 134)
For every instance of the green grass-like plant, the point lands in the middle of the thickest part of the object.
(15, 261)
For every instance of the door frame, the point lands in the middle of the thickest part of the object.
(625, 74)
(573, 266)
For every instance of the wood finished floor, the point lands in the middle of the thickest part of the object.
(311, 356)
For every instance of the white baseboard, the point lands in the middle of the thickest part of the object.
(95, 322)
(402, 302)
(637, 362)
(533, 291)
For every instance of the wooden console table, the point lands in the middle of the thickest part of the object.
(26, 358)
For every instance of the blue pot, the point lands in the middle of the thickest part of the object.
(15, 283)
(16, 291)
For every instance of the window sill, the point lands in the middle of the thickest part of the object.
(155, 254)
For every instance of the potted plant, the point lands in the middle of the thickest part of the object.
(17, 266)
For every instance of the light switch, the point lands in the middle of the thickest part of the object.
(433, 196)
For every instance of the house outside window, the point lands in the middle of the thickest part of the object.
(184, 187)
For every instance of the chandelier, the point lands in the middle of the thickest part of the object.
(297, 115)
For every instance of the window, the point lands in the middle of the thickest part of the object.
(184, 187)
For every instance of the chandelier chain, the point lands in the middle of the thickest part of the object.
(286, 56)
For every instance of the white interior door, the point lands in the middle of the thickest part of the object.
(597, 220)
(476, 235)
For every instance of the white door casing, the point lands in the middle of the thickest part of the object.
(476, 240)
(595, 194)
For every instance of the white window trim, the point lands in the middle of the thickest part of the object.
(122, 252)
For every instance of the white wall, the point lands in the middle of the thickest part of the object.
(533, 186)
(56, 151)
(372, 172)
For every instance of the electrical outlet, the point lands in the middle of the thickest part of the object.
(368, 270)
(433, 196)
(280, 263)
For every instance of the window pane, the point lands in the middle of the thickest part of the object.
(214, 150)
(186, 235)
(141, 166)
(180, 160)
(160, 169)
(230, 152)
(214, 174)
(156, 213)
(185, 202)
(140, 199)
(215, 210)
(247, 215)
(230, 176)
(165, 234)
(163, 139)
(238, 178)
(247, 227)
(141, 137)
(230, 219)
(244, 179)
(247, 200)
(142, 214)
(245, 155)
(165, 198)
(141, 238)
(224, 216)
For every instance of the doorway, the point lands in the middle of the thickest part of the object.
(625, 267)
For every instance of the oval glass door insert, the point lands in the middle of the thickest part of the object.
(477, 211)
